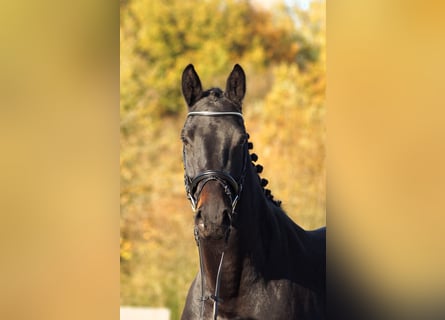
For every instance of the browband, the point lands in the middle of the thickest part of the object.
(214, 113)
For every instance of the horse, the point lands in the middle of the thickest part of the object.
(254, 261)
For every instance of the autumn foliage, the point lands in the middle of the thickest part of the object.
(282, 51)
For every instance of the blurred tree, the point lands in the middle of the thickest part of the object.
(161, 37)
(290, 123)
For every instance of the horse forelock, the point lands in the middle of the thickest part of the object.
(214, 99)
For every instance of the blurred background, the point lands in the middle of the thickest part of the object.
(281, 46)
(62, 187)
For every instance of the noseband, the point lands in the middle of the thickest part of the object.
(232, 187)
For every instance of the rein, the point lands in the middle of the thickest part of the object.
(233, 189)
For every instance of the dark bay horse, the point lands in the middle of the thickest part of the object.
(255, 262)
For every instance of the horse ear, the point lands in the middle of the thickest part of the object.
(191, 85)
(236, 84)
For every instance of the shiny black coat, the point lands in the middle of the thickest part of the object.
(272, 268)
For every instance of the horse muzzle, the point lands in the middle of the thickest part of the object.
(213, 212)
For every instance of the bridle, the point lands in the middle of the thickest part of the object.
(232, 188)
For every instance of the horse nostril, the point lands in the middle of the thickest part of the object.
(198, 220)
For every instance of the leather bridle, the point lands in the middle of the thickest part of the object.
(231, 186)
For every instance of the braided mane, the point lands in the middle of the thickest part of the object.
(263, 182)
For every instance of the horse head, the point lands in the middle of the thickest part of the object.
(215, 151)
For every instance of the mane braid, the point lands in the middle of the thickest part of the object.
(263, 182)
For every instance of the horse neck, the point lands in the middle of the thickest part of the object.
(255, 210)
(266, 231)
